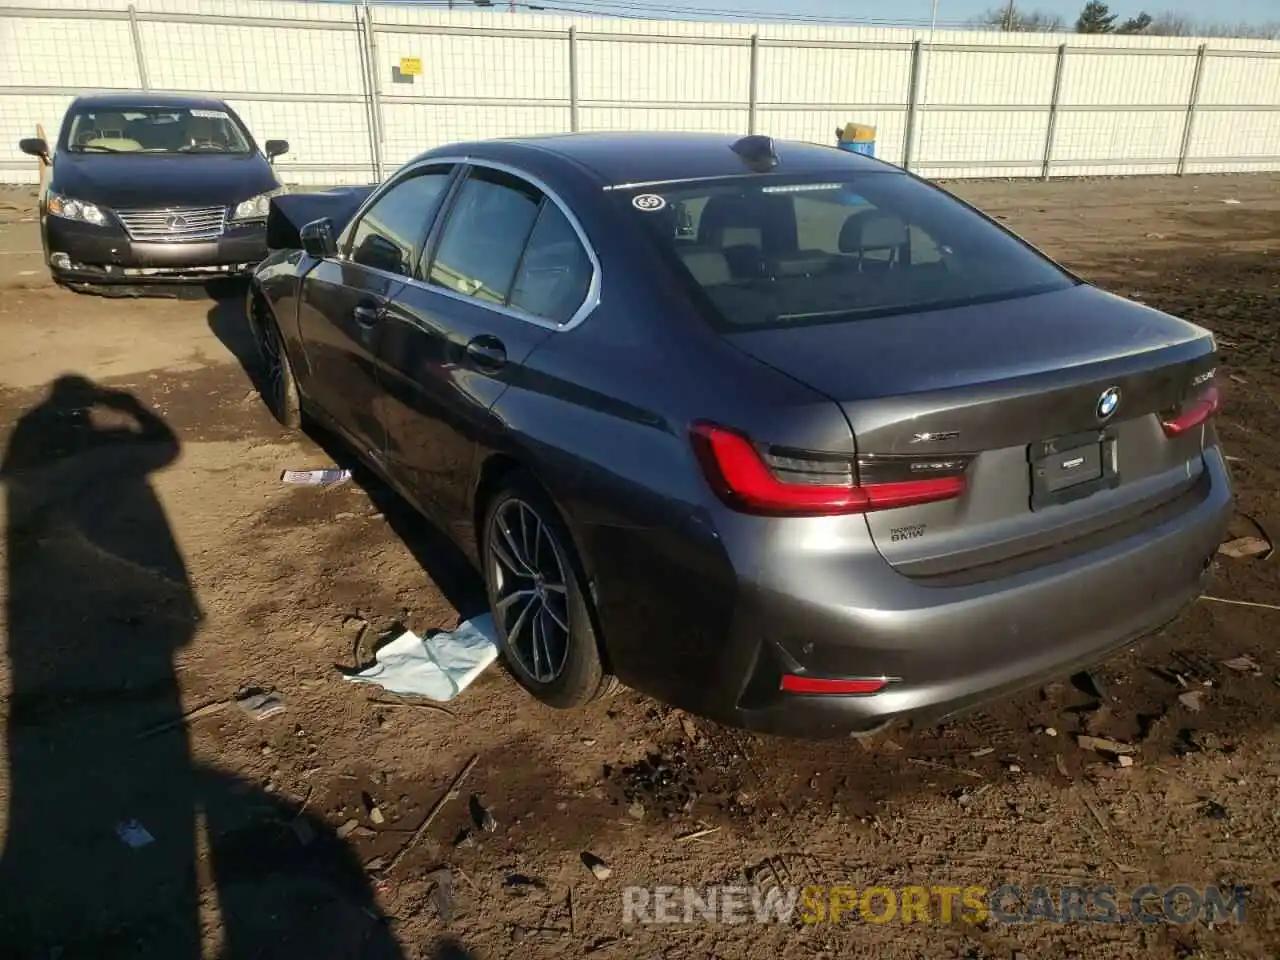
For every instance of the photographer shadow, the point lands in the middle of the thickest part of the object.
(101, 854)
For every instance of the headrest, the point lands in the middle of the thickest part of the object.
(872, 230)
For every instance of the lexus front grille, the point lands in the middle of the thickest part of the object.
(175, 224)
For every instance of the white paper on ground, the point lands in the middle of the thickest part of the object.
(316, 478)
(439, 668)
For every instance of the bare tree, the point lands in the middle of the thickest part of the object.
(1138, 24)
(1176, 25)
(1011, 19)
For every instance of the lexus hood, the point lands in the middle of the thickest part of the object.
(152, 180)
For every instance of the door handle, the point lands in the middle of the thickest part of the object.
(366, 315)
(487, 352)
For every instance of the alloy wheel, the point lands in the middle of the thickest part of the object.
(530, 582)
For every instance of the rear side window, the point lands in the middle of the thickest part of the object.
(767, 252)
(508, 244)
(555, 273)
(485, 236)
(388, 235)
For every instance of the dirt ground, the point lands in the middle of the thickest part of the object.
(150, 584)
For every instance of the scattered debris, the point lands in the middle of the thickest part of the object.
(1124, 760)
(1192, 700)
(355, 625)
(1185, 743)
(1242, 547)
(1089, 684)
(1242, 664)
(696, 834)
(261, 705)
(196, 714)
(661, 785)
(465, 838)
(935, 765)
(1231, 201)
(1214, 810)
(303, 830)
(315, 478)
(1013, 768)
(1241, 603)
(966, 798)
(689, 727)
(438, 668)
(347, 829)
(134, 834)
(598, 868)
(1103, 745)
(448, 795)
(441, 883)
(982, 752)
(481, 815)
(374, 865)
(521, 881)
(1061, 765)
(376, 815)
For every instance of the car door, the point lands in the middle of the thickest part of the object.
(344, 298)
(504, 268)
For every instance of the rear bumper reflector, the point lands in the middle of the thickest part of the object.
(794, 683)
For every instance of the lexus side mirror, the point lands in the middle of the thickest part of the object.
(318, 240)
(36, 147)
(274, 148)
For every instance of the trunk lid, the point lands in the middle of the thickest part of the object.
(1014, 387)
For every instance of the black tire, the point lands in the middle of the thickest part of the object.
(563, 678)
(276, 381)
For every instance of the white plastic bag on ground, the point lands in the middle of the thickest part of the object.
(439, 668)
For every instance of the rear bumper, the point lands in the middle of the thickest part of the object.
(106, 255)
(813, 602)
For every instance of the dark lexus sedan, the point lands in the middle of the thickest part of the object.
(147, 188)
(774, 432)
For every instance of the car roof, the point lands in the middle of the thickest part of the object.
(139, 99)
(646, 157)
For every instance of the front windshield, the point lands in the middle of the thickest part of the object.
(772, 252)
(171, 130)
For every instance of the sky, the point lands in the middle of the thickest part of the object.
(950, 12)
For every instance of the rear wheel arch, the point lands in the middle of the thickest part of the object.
(501, 470)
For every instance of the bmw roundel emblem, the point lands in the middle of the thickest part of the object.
(1108, 402)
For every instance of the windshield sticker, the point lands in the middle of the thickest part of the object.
(648, 202)
(209, 114)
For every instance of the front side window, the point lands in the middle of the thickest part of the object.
(389, 234)
(156, 130)
(769, 252)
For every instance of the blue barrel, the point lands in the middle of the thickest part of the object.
(865, 147)
(857, 138)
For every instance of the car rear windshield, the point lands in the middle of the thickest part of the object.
(767, 252)
(155, 130)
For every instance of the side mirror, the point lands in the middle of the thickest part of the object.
(318, 240)
(36, 147)
(274, 148)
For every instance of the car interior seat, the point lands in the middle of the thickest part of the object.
(873, 240)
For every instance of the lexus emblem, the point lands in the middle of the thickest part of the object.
(1108, 403)
(175, 222)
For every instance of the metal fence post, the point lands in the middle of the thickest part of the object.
(364, 30)
(1193, 101)
(136, 33)
(1052, 129)
(913, 101)
(753, 84)
(574, 122)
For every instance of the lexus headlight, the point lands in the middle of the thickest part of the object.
(69, 209)
(255, 208)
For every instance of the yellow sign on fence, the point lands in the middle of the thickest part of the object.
(411, 66)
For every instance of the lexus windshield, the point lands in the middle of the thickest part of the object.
(163, 130)
(769, 252)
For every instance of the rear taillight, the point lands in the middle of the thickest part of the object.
(1204, 407)
(780, 481)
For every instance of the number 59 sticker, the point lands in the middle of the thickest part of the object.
(648, 202)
